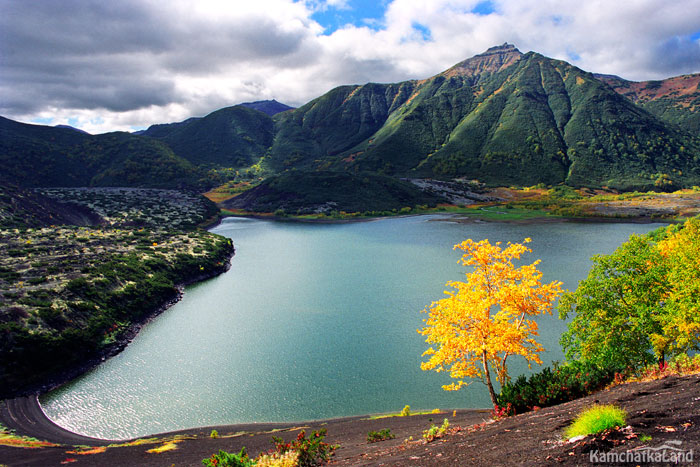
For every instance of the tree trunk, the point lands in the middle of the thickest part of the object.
(662, 360)
(488, 379)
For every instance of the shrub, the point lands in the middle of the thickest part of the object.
(406, 411)
(214, 434)
(435, 432)
(275, 459)
(312, 450)
(595, 420)
(381, 435)
(553, 386)
(229, 459)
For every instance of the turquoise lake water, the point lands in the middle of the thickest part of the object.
(311, 321)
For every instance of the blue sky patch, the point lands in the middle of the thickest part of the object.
(573, 56)
(695, 37)
(484, 8)
(358, 13)
(424, 31)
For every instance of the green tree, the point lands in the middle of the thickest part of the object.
(639, 303)
(615, 309)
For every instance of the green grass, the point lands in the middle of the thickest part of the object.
(399, 414)
(501, 213)
(595, 420)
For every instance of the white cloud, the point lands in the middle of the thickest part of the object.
(118, 65)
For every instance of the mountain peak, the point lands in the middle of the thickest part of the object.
(504, 48)
(493, 60)
(270, 107)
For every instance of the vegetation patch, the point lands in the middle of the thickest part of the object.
(381, 435)
(435, 432)
(596, 420)
(552, 386)
(69, 293)
(302, 452)
(167, 446)
(9, 438)
(141, 207)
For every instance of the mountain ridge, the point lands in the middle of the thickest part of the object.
(501, 117)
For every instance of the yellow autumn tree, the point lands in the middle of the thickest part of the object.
(486, 319)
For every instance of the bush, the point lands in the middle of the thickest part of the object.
(595, 420)
(553, 386)
(406, 411)
(312, 450)
(435, 432)
(229, 459)
(381, 435)
(275, 459)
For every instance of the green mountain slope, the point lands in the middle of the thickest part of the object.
(232, 137)
(35, 155)
(297, 192)
(674, 100)
(501, 117)
(543, 120)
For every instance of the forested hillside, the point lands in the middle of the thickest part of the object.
(35, 155)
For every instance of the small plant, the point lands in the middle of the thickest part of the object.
(595, 420)
(229, 459)
(312, 450)
(275, 459)
(644, 438)
(435, 432)
(381, 435)
(406, 411)
(499, 412)
(214, 434)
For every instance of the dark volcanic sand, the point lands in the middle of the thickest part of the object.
(666, 409)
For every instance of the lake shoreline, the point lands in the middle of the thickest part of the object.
(462, 218)
(660, 411)
(26, 417)
(68, 374)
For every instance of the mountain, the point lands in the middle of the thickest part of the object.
(674, 100)
(502, 117)
(232, 137)
(71, 128)
(268, 107)
(36, 155)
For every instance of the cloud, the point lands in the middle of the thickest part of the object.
(127, 64)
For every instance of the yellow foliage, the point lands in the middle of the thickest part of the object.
(681, 322)
(168, 446)
(88, 451)
(485, 320)
(288, 459)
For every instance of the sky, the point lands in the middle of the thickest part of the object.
(124, 65)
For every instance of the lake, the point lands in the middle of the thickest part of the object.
(312, 321)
